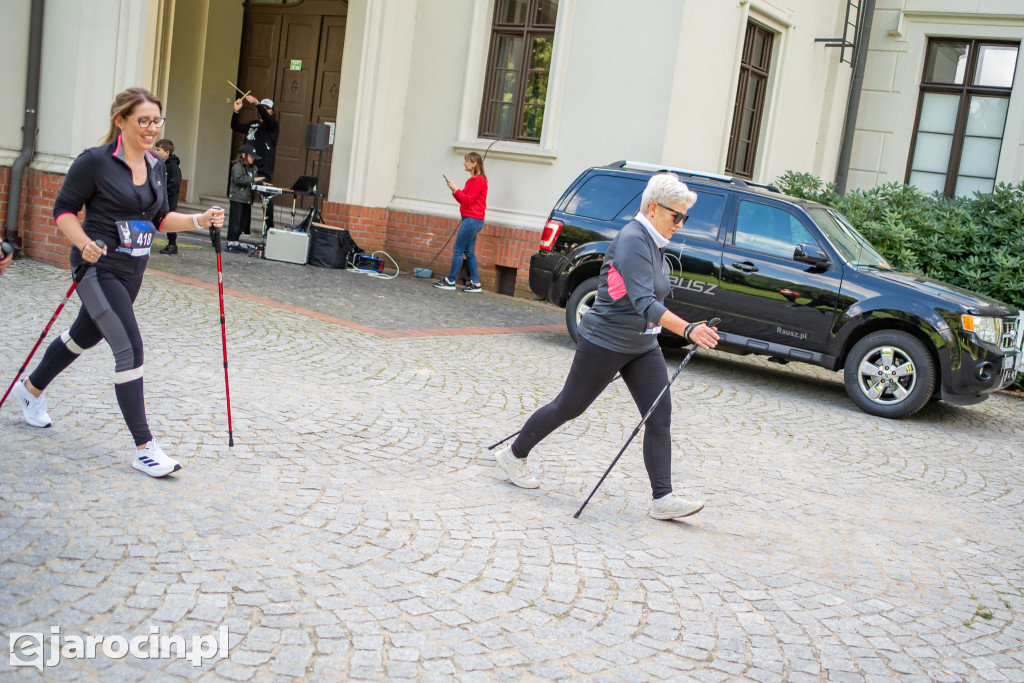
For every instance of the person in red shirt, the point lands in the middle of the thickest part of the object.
(472, 204)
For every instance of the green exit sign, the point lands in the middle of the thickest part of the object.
(296, 65)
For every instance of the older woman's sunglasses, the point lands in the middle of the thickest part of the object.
(677, 218)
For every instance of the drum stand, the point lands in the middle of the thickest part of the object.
(262, 247)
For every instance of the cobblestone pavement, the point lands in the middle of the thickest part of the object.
(358, 528)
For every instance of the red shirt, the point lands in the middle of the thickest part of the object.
(473, 198)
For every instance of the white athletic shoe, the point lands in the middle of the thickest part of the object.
(671, 507)
(34, 409)
(154, 462)
(516, 469)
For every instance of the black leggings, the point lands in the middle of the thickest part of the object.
(593, 368)
(106, 313)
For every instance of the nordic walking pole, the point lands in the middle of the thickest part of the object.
(215, 238)
(76, 277)
(711, 323)
(495, 445)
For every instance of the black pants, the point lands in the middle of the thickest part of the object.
(106, 313)
(239, 214)
(593, 368)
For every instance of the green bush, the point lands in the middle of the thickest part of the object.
(973, 242)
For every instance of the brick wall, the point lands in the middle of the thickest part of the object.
(5, 182)
(412, 239)
(40, 237)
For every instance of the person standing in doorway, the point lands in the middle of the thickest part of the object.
(165, 150)
(472, 201)
(262, 134)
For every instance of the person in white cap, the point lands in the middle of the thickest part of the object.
(262, 134)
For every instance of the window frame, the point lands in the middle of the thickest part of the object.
(964, 91)
(746, 73)
(733, 234)
(528, 31)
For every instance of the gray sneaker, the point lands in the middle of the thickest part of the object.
(34, 409)
(516, 469)
(671, 507)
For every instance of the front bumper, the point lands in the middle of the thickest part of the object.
(982, 368)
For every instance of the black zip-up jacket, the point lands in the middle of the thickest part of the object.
(262, 134)
(173, 165)
(101, 181)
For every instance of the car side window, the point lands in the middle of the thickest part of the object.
(603, 197)
(769, 229)
(705, 217)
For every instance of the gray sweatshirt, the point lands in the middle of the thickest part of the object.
(630, 294)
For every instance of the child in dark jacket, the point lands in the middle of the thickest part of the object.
(165, 150)
(243, 176)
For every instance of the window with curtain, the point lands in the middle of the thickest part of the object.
(749, 107)
(961, 114)
(515, 91)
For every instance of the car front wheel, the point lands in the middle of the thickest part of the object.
(890, 374)
(580, 301)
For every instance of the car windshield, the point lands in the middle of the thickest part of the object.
(845, 238)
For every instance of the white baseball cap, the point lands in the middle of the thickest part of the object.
(268, 103)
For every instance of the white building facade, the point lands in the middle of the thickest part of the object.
(545, 88)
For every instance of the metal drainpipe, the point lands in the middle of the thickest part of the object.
(853, 102)
(28, 130)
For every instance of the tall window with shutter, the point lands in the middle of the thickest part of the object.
(515, 92)
(961, 114)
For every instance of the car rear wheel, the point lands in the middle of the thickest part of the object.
(890, 374)
(580, 301)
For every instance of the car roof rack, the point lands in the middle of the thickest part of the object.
(740, 182)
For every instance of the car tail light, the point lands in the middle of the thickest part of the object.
(550, 234)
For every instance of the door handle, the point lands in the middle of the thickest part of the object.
(745, 266)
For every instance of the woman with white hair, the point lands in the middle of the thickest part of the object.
(619, 334)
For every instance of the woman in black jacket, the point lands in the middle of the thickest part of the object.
(619, 334)
(122, 186)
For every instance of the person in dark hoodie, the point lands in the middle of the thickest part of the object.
(261, 134)
(165, 150)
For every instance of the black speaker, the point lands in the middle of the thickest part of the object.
(317, 135)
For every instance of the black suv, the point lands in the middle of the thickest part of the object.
(790, 279)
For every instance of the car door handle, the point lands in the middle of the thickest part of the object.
(745, 266)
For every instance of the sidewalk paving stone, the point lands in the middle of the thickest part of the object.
(359, 530)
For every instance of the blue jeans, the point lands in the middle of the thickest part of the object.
(465, 245)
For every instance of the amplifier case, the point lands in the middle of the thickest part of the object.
(287, 245)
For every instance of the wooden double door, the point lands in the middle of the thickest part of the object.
(292, 54)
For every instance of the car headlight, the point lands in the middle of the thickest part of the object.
(987, 329)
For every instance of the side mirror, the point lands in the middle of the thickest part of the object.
(811, 254)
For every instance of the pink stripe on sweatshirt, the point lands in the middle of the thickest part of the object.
(616, 287)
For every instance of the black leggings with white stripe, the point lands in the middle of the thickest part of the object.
(593, 368)
(106, 313)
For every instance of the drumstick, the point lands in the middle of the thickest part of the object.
(244, 95)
